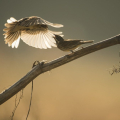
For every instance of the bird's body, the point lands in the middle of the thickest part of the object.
(70, 44)
(32, 30)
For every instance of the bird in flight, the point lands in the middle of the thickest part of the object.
(32, 30)
(69, 44)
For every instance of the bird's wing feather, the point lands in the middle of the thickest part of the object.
(13, 39)
(39, 39)
(34, 20)
(16, 43)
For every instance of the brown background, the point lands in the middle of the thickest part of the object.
(80, 90)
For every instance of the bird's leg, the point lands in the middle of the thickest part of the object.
(72, 52)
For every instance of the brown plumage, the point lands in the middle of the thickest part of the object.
(32, 30)
(69, 44)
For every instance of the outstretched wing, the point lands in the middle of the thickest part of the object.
(34, 20)
(39, 39)
(28, 30)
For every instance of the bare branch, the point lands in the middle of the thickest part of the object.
(31, 75)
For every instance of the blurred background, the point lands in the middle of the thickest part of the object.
(80, 90)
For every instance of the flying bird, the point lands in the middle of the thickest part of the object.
(69, 44)
(32, 30)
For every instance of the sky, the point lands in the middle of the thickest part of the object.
(80, 90)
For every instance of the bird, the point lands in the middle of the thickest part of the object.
(32, 30)
(69, 44)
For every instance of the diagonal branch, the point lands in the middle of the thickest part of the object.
(31, 75)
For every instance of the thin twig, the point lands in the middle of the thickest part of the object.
(16, 104)
(30, 101)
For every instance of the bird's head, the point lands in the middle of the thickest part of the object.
(58, 38)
